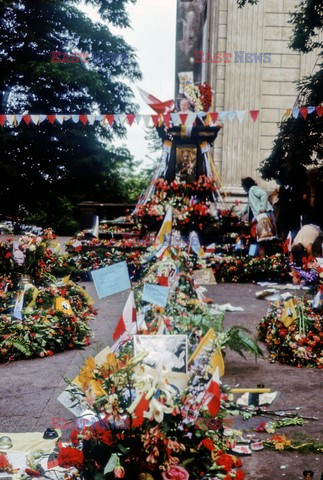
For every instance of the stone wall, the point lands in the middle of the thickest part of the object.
(270, 87)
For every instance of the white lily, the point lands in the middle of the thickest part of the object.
(157, 410)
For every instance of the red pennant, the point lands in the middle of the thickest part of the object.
(214, 116)
(319, 111)
(51, 118)
(166, 120)
(83, 119)
(110, 119)
(131, 118)
(2, 120)
(27, 119)
(183, 117)
(304, 112)
(142, 406)
(155, 119)
(214, 405)
(254, 114)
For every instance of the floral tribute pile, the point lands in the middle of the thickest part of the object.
(190, 202)
(298, 342)
(39, 315)
(147, 418)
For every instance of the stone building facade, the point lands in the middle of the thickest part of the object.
(241, 85)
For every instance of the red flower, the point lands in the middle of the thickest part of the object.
(4, 463)
(74, 437)
(70, 457)
(240, 475)
(119, 472)
(207, 443)
(8, 255)
(238, 463)
(225, 461)
(32, 473)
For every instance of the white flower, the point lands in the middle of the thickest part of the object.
(157, 410)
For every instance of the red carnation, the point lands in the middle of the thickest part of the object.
(225, 461)
(74, 437)
(240, 475)
(70, 457)
(207, 443)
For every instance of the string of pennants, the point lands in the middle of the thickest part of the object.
(176, 119)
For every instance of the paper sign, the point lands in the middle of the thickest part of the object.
(111, 280)
(155, 294)
(289, 314)
(253, 250)
(63, 305)
(204, 276)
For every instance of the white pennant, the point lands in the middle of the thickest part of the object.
(91, 119)
(60, 118)
(175, 119)
(295, 112)
(310, 110)
(138, 119)
(223, 116)
(231, 116)
(34, 119)
(191, 119)
(146, 119)
(99, 118)
(42, 118)
(75, 118)
(240, 115)
(10, 119)
(122, 119)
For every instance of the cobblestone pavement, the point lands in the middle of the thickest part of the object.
(29, 388)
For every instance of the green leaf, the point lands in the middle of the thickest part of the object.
(112, 463)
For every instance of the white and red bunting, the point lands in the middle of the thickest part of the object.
(168, 119)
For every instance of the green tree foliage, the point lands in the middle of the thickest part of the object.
(46, 170)
(299, 141)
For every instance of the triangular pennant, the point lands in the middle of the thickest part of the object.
(131, 118)
(27, 119)
(303, 112)
(11, 119)
(223, 116)
(75, 118)
(138, 119)
(231, 116)
(191, 119)
(288, 113)
(175, 119)
(310, 110)
(18, 119)
(155, 119)
(240, 115)
(60, 119)
(42, 118)
(319, 110)
(83, 119)
(2, 120)
(166, 120)
(35, 119)
(183, 117)
(254, 114)
(51, 118)
(214, 116)
(99, 117)
(122, 119)
(146, 119)
(110, 119)
(91, 119)
(295, 112)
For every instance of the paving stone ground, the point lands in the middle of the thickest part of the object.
(29, 388)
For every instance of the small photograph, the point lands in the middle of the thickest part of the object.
(183, 105)
(186, 161)
(165, 352)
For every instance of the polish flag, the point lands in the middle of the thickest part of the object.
(212, 395)
(155, 104)
(128, 317)
(210, 249)
(287, 247)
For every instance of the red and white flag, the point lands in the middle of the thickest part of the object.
(127, 319)
(213, 394)
(155, 104)
(209, 250)
(287, 247)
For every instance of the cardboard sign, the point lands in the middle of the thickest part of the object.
(289, 314)
(155, 294)
(111, 280)
(204, 276)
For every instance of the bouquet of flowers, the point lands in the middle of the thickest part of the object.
(298, 344)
